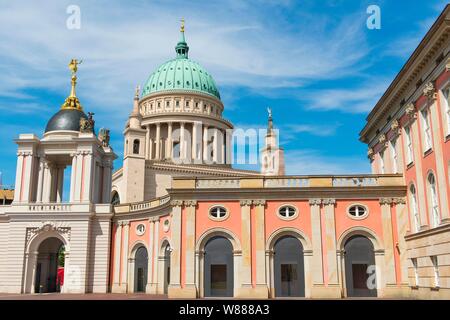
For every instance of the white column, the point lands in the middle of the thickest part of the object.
(316, 241)
(117, 249)
(228, 146)
(223, 141)
(158, 141)
(216, 146)
(78, 176)
(194, 141)
(190, 247)
(151, 256)
(40, 180)
(47, 183)
(150, 152)
(156, 252)
(60, 184)
(147, 143)
(169, 141)
(205, 142)
(386, 221)
(86, 182)
(73, 177)
(246, 268)
(175, 259)
(330, 241)
(124, 270)
(19, 177)
(182, 142)
(107, 176)
(260, 245)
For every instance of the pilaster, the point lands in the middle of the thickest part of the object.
(316, 227)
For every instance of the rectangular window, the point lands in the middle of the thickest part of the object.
(434, 260)
(382, 162)
(394, 156)
(446, 93)
(416, 271)
(409, 145)
(426, 130)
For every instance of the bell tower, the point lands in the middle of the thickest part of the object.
(272, 156)
(134, 156)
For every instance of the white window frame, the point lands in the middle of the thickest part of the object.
(426, 129)
(281, 216)
(414, 207)
(358, 217)
(409, 145)
(140, 229)
(434, 202)
(446, 94)
(215, 217)
(434, 261)
(394, 155)
(416, 271)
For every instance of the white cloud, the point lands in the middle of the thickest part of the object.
(352, 100)
(307, 162)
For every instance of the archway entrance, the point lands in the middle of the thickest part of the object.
(359, 267)
(218, 268)
(140, 269)
(289, 268)
(166, 267)
(49, 275)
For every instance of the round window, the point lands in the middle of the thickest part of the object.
(218, 213)
(140, 229)
(287, 212)
(357, 211)
(166, 225)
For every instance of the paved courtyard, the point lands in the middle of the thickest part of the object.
(88, 296)
(132, 296)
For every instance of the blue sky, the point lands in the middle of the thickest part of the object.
(314, 62)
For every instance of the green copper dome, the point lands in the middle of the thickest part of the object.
(181, 73)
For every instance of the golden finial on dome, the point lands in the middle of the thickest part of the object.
(182, 25)
(72, 101)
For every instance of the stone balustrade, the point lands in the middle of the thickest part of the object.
(356, 181)
(139, 206)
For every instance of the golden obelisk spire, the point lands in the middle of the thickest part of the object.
(72, 101)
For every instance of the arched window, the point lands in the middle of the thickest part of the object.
(394, 156)
(414, 208)
(433, 200)
(447, 109)
(428, 142)
(136, 144)
(115, 199)
(409, 145)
